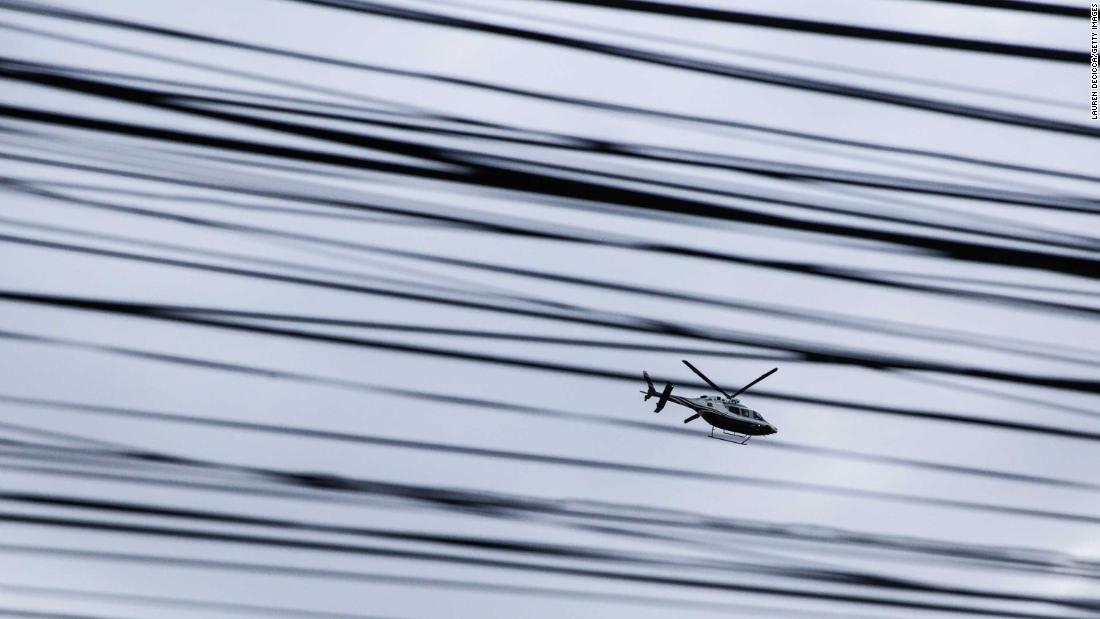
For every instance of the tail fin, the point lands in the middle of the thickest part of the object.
(652, 391)
(664, 398)
(649, 382)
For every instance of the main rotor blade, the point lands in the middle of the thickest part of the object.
(745, 388)
(709, 381)
(691, 418)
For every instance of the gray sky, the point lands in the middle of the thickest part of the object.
(1032, 340)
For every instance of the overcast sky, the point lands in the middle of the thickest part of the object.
(907, 231)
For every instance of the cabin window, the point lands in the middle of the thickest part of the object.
(756, 416)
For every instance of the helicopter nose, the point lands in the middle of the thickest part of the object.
(772, 429)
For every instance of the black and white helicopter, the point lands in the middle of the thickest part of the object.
(736, 423)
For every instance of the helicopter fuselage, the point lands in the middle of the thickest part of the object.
(727, 414)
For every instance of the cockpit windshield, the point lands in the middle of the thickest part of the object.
(737, 410)
(743, 412)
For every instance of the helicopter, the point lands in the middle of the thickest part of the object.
(735, 422)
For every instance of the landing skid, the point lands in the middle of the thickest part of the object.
(729, 437)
